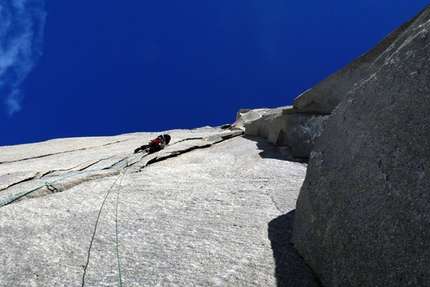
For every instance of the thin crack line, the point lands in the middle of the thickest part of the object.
(61, 152)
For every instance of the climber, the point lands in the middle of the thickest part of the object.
(155, 145)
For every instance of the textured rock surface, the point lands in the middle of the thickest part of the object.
(363, 214)
(326, 95)
(267, 123)
(194, 214)
(283, 126)
(303, 131)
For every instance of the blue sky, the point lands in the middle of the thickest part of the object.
(90, 68)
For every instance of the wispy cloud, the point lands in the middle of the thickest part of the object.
(21, 35)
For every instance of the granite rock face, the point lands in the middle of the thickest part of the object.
(283, 126)
(363, 213)
(300, 125)
(325, 96)
(89, 212)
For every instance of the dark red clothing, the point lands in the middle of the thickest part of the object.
(155, 145)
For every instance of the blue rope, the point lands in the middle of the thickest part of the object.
(19, 195)
(48, 184)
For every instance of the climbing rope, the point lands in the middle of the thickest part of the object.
(95, 229)
(127, 162)
(116, 231)
(124, 163)
(120, 176)
(50, 186)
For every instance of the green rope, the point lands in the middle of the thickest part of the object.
(47, 184)
(116, 227)
(120, 177)
(95, 231)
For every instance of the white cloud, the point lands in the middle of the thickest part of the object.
(13, 102)
(21, 34)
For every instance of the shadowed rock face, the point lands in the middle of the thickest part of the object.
(194, 214)
(215, 208)
(363, 214)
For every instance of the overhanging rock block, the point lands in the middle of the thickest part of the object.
(283, 126)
